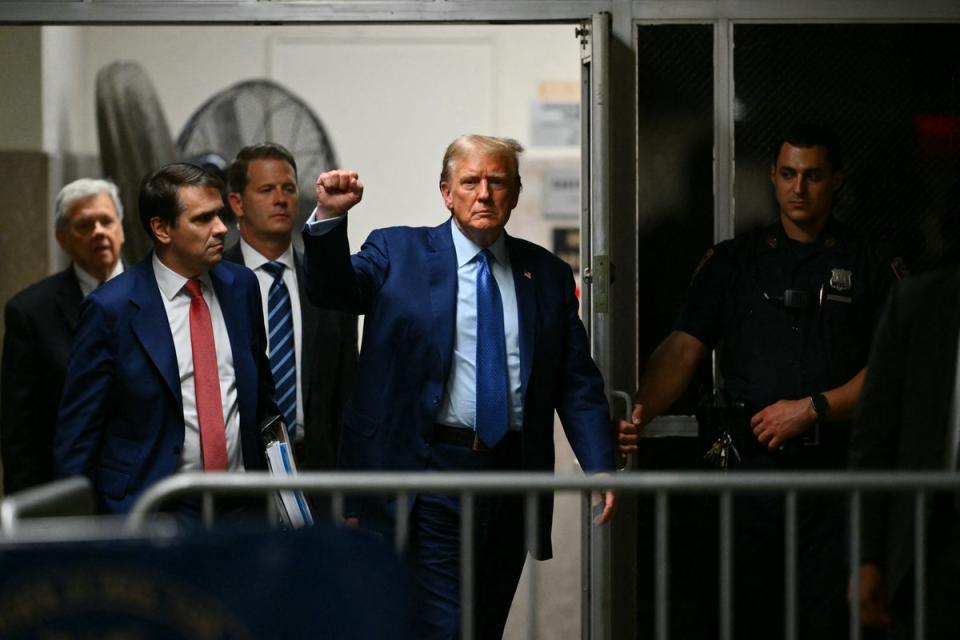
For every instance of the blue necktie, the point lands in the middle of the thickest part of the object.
(492, 419)
(283, 361)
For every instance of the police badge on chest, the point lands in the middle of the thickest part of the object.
(840, 286)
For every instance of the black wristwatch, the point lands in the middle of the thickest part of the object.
(820, 405)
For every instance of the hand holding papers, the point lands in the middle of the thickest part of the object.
(294, 510)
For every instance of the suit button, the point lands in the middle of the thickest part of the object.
(436, 400)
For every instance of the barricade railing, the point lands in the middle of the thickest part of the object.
(662, 485)
(67, 497)
(63, 511)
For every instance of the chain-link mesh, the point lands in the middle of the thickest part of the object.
(675, 196)
(892, 93)
(675, 162)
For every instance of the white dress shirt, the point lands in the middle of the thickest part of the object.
(88, 282)
(176, 302)
(458, 408)
(254, 260)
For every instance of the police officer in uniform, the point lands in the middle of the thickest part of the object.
(791, 310)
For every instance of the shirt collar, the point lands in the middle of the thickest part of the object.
(833, 235)
(171, 283)
(88, 282)
(775, 236)
(467, 250)
(254, 260)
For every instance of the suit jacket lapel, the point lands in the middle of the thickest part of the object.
(237, 318)
(233, 313)
(309, 323)
(152, 328)
(524, 279)
(442, 289)
(69, 297)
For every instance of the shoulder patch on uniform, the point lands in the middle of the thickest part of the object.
(703, 261)
(899, 266)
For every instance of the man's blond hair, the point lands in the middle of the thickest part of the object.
(473, 144)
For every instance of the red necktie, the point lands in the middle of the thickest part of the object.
(206, 379)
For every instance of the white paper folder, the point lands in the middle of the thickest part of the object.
(292, 505)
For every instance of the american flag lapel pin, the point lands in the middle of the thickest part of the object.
(528, 275)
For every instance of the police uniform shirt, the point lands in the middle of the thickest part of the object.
(789, 319)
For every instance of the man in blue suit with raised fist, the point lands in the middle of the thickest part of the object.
(169, 370)
(471, 341)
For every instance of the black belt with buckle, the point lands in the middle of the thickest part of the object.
(462, 437)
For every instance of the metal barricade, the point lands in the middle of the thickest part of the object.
(63, 511)
(662, 485)
(63, 498)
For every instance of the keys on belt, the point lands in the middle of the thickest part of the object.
(720, 452)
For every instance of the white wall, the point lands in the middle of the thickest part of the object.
(21, 127)
(64, 88)
(65, 127)
(391, 97)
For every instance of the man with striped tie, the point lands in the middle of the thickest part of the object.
(313, 352)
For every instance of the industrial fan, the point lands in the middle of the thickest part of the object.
(261, 111)
(135, 139)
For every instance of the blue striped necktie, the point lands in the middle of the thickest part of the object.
(492, 417)
(283, 361)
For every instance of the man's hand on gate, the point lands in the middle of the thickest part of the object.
(628, 433)
(782, 421)
(873, 599)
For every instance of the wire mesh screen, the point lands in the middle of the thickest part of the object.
(675, 172)
(675, 199)
(892, 93)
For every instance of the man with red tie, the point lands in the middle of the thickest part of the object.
(169, 370)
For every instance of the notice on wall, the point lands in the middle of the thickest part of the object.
(555, 115)
(554, 123)
(561, 193)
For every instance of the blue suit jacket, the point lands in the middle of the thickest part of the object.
(121, 416)
(405, 281)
